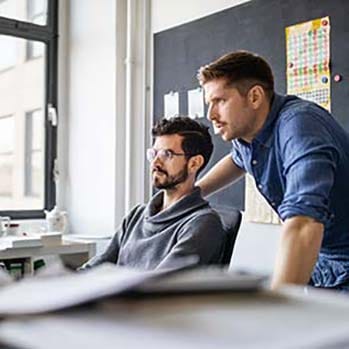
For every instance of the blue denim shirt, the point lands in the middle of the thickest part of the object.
(300, 162)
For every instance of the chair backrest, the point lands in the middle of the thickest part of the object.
(231, 220)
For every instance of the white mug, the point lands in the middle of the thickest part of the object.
(56, 220)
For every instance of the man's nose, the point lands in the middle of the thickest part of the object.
(156, 160)
(211, 112)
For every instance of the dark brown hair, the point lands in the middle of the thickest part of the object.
(196, 138)
(242, 70)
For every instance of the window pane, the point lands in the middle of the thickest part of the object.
(34, 171)
(6, 134)
(22, 91)
(8, 8)
(6, 155)
(34, 11)
(36, 185)
(37, 119)
(6, 173)
(35, 49)
(8, 49)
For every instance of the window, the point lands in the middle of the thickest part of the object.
(28, 30)
(34, 154)
(8, 51)
(35, 49)
(6, 155)
(34, 11)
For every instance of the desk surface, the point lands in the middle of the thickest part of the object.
(73, 253)
(67, 246)
(287, 319)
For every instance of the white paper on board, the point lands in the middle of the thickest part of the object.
(196, 103)
(171, 104)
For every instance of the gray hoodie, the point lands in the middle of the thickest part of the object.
(189, 231)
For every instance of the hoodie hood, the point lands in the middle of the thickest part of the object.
(155, 220)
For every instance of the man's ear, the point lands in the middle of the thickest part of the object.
(195, 163)
(256, 96)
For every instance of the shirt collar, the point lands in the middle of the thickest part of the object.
(264, 135)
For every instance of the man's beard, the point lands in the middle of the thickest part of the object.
(170, 182)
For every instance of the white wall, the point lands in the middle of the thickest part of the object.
(89, 183)
(102, 137)
(256, 244)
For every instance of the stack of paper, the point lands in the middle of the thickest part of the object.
(51, 239)
(37, 240)
(20, 241)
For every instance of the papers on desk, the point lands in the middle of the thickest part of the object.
(19, 241)
(51, 239)
(37, 240)
(35, 295)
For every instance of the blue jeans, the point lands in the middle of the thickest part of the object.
(341, 288)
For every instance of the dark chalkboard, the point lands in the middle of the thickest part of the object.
(257, 26)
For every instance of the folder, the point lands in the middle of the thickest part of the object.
(39, 295)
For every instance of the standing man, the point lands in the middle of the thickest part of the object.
(299, 157)
(177, 227)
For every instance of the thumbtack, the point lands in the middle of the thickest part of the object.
(337, 78)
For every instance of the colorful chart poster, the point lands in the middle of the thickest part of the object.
(308, 61)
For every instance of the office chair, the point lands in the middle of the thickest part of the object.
(231, 220)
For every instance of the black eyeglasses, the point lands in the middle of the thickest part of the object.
(163, 154)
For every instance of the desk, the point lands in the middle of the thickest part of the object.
(72, 253)
(265, 320)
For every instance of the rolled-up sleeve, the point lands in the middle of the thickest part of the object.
(309, 165)
(236, 156)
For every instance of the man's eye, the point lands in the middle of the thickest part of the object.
(168, 153)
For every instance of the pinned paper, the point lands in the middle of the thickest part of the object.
(308, 61)
(196, 103)
(171, 104)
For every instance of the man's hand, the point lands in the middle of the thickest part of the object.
(298, 251)
(223, 173)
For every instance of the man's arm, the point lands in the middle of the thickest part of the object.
(298, 251)
(222, 174)
(111, 253)
(310, 159)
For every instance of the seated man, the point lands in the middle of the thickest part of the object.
(177, 227)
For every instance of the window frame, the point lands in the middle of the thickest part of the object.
(49, 35)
